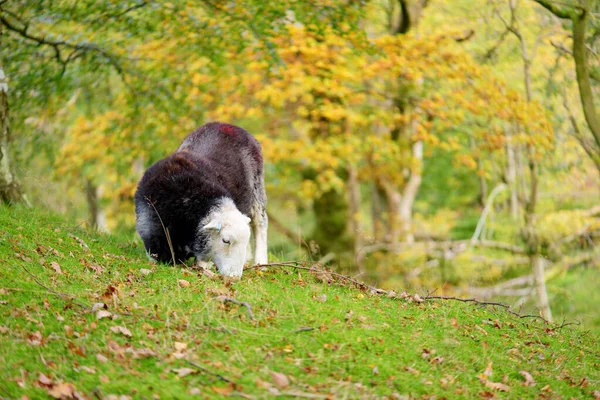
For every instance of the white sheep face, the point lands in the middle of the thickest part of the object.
(228, 238)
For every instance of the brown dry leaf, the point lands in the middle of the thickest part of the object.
(225, 391)
(529, 381)
(99, 306)
(65, 391)
(56, 267)
(453, 322)
(321, 299)
(87, 369)
(195, 391)
(183, 371)
(596, 394)
(68, 331)
(488, 371)
(122, 330)
(437, 360)
(497, 386)
(44, 380)
(145, 271)
(101, 358)
(35, 339)
(103, 314)
(280, 380)
(180, 346)
(412, 371)
(183, 283)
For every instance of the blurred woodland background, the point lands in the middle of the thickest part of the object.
(448, 145)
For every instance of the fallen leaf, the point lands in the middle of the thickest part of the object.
(437, 360)
(68, 331)
(529, 381)
(195, 391)
(488, 371)
(225, 391)
(412, 370)
(280, 380)
(56, 267)
(321, 299)
(183, 371)
(497, 386)
(180, 346)
(35, 339)
(183, 283)
(122, 330)
(65, 391)
(596, 394)
(145, 271)
(103, 314)
(417, 298)
(87, 369)
(44, 380)
(99, 306)
(101, 358)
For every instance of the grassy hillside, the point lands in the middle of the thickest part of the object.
(166, 332)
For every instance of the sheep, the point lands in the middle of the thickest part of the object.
(202, 200)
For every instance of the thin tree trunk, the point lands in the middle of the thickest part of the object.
(354, 205)
(582, 71)
(91, 195)
(10, 190)
(410, 193)
(538, 263)
(511, 177)
(394, 199)
(377, 210)
(531, 236)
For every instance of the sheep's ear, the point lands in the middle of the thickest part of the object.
(213, 224)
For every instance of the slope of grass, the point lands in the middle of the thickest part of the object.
(168, 332)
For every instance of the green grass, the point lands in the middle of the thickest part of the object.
(327, 338)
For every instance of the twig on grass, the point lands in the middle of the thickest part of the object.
(239, 303)
(208, 371)
(297, 265)
(361, 285)
(486, 303)
(54, 292)
(303, 329)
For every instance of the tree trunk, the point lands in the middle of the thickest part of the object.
(91, 195)
(410, 193)
(580, 22)
(511, 178)
(538, 264)
(354, 204)
(10, 190)
(377, 211)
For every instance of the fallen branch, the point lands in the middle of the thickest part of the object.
(303, 329)
(239, 303)
(487, 303)
(297, 265)
(208, 371)
(54, 292)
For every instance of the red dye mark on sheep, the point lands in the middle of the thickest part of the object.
(228, 130)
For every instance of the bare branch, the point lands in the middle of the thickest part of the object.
(239, 303)
(23, 31)
(554, 9)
